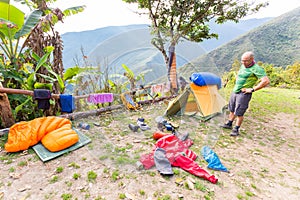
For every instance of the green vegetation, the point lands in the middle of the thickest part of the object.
(59, 169)
(122, 196)
(22, 163)
(115, 175)
(54, 179)
(76, 176)
(268, 42)
(74, 165)
(92, 176)
(67, 196)
(35, 64)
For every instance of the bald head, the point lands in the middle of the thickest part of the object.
(247, 58)
(248, 54)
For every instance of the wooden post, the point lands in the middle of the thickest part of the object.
(6, 115)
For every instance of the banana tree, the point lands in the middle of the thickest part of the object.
(132, 79)
(37, 34)
(13, 28)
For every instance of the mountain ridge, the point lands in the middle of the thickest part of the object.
(275, 42)
(78, 43)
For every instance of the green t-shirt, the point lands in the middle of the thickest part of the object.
(247, 77)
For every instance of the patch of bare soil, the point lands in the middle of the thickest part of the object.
(263, 162)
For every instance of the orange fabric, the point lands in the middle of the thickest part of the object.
(158, 134)
(210, 101)
(58, 130)
(60, 139)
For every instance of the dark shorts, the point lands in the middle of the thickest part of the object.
(239, 103)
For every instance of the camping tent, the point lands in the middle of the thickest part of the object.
(200, 101)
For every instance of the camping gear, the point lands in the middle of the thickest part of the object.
(128, 102)
(133, 127)
(163, 124)
(46, 155)
(43, 96)
(55, 133)
(84, 126)
(144, 127)
(192, 167)
(140, 121)
(178, 156)
(67, 103)
(158, 134)
(160, 90)
(212, 158)
(203, 102)
(100, 98)
(162, 163)
(206, 78)
(172, 144)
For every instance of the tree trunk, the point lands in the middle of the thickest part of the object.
(172, 72)
(6, 115)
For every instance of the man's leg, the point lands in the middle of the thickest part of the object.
(243, 103)
(235, 130)
(228, 124)
(231, 116)
(239, 120)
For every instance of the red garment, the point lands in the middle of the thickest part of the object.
(179, 155)
(191, 166)
(171, 144)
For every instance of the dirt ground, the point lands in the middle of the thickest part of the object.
(264, 162)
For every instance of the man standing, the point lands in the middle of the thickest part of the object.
(241, 95)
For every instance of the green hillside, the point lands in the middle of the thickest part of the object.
(275, 42)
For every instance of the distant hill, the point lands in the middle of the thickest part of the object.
(86, 41)
(102, 45)
(275, 42)
(230, 31)
(134, 49)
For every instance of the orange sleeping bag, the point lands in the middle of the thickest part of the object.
(55, 133)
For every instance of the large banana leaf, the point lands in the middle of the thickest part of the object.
(14, 16)
(30, 23)
(5, 1)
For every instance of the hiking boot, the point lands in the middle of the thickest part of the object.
(134, 128)
(227, 126)
(161, 126)
(144, 127)
(234, 132)
(140, 121)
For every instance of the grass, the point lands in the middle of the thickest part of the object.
(271, 101)
(92, 176)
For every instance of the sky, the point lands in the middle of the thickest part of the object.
(102, 13)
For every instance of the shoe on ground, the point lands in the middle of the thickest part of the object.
(140, 121)
(227, 126)
(144, 127)
(234, 132)
(133, 127)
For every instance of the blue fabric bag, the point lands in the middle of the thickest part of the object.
(213, 160)
(67, 103)
(206, 78)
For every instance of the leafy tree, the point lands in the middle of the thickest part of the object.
(291, 75)
(38, 61)
(173, 20)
